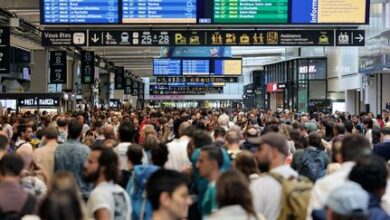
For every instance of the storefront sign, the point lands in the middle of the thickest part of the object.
(4, 50)
(58, 67)
(273, 87)
(88, 67)
(39, 102)
(282, 85)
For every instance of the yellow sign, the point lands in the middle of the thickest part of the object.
(345, 11)
(232, 67)
(258, 38)
(231, 38)
(180, 39)
(272, 37)
(216, 38)
(324, 39)
(244, 39)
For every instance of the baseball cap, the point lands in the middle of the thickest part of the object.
(310, 126)
(348, 199)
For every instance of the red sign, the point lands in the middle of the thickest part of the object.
(273, 87)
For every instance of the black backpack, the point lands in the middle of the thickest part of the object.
(28, 208)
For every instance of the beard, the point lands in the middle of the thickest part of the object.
(264, 166)
(92, 177)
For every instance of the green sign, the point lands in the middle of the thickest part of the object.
(251, 11)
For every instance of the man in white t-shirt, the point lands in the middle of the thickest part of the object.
(267, 191)
(178, 157)
(107, 201)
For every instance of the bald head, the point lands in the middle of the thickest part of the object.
(108, 132)
(183, 126)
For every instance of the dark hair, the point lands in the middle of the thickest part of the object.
(369, 122)
(233, 189)
(386, 131)
(354, 146)
(109, 160)
(201, 138)
(296, 137)
(51, 133)
(176, 125)
(61, 205)
(359, 216)
(314, 140)
(276, 141)
(245, 162)
(11, 165)
(376, 135)
(214, 153)
(135, 154)
(4, 142)
(74, 129)
(160, 155)
(126, 132)
(370, 172)
(348, 126)
(219, 132)
(273, 128)
(23, 128)
(62, 122)
(339, 128)
(163, 181)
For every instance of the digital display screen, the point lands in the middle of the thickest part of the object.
(228, 67)
(8, 103)
(159, 11)
(166, 67)
(196, 67)
(251, 12)
(329, 11)
(79, 12)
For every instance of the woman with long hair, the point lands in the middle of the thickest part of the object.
(234, 198)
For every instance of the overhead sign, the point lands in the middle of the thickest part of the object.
(79, 12)
(58, 67)
(251, 12)
(195, 79)
(64, 38)
(128, 86)
(88, 67)
(128, 38)
(135, 88)
(4, 50)
(350, 38)
(162, 11)
(119, 78)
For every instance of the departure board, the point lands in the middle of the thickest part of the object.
(196, 67)
(79, 12)
(159, 11)
(251, 11)
(166, 67)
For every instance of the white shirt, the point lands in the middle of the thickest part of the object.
(121, 151)
(325, 185)
(178, 156)
(267, 192)
(23, 145)
(112, 197)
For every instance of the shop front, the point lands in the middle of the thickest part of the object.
(293, 84)
(23, 102)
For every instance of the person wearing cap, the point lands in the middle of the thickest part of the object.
(267, 191)
(348, 201)
(251, 135)
(371, 173)
(352, 148)
(383, 149)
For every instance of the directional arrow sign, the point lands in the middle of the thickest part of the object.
(95, 38)
(354, 38)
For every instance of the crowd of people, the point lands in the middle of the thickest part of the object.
(167, 164)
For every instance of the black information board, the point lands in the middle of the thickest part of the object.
(39, 102)
(58, 67)
(128, 85)
(52, 38)
(88, 67)
(119, 78)
(350, 38)
(4, 50)
(195, 79)
(129, 38)
(135, 88)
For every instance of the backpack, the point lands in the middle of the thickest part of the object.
(296, 192)
(27, 208)
(313, 165)
(142, 209)
(14, 148)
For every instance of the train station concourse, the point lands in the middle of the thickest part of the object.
(194, 109)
